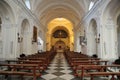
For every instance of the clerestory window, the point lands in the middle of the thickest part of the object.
(27, 3)
(91, 5)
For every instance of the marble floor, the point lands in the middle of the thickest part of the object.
(59, 69)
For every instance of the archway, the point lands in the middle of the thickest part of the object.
(118, 34)
(60, 24)
(59, 37)
(24, 33)
(111, 29)
(92, 37)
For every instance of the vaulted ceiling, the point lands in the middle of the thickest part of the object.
(72, 10)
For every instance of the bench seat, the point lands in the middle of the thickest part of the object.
(19, 73)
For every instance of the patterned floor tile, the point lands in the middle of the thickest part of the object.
(50, 71)
(67, 76)
(58, 73)
(58, 69)
(48, 76)
(51, 67)
(44, 73)
(66, 68)
(66, 71)
(58, 78)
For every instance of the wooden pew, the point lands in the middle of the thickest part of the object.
(98, 68)
(77, 60)
(104, 74)
(41, 67)
(14, 67)
(45, 60)
(90, 62)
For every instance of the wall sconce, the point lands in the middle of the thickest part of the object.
(19, 38)
(97, 38)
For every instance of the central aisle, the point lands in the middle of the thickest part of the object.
(58, 69)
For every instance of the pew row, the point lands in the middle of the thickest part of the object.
(13, 70)
(86, 70)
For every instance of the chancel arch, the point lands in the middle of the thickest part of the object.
(60, 25)
(92, 36)
(60, 39)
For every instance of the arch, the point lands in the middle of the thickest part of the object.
(62, 41)
(92, 37)
(6, 12)
(60, 34)
(111, 30)
(62, 28)
(109, 13)
(60, 24)
(25, 26)
(24, 33)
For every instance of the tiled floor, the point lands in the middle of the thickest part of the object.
(58, 69)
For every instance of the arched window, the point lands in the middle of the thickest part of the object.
(91, 4)
(27, 3)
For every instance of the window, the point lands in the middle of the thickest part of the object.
(91, 5)
(27, 3)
